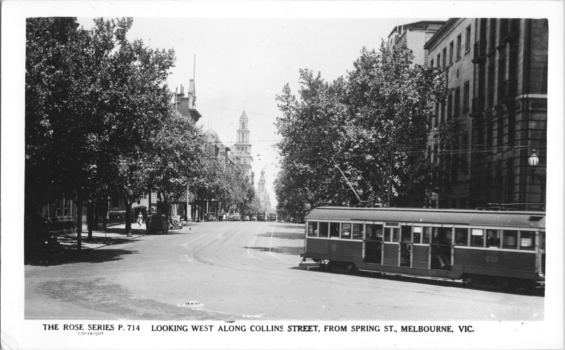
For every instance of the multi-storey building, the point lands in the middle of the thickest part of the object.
(507, 84)
(414, 35)
(451, 49)
(509, 111)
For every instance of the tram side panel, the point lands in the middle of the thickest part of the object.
(334, 250)
(492, 262)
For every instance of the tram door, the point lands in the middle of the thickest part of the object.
(391, 251)
(373, 243)
(405, 245)
(440, 257)
(421, 238)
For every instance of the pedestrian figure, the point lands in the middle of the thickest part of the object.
(139, 219)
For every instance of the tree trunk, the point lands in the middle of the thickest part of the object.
(128, 215)
(90, 218)
(79, 223)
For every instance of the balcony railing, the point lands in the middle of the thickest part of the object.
(479, 53)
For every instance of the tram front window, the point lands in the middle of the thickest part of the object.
(312, 229)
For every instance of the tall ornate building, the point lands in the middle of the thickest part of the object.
(241, 150)
(262, 194)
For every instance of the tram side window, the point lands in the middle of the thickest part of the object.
(477, 238)
(510, 239)
(406, 233)
(357, 231)
(427, 235)
(493, 238)
(346, 231)
(334, 229)
(462, 236)
(391, 234)
(375, 232)
(417, 238)
(527, 240)
(395, 234)
(441, 235)
(323, 229)
(312, 229)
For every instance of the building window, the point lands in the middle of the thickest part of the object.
(466, 97)
(444, 57)
(465, 150)
(451, 52)
(449, 106)
(489, 136)
(468, 39)
(457, 98)
(511, 130)
(432, 64)
(442, 113)
(458, 47)
(492, 34)
(438, 60)
(499, 134)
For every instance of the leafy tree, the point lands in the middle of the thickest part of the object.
(367, 134)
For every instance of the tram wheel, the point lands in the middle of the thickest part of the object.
(351, 268)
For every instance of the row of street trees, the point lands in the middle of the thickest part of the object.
(100, 122)
(367, 135)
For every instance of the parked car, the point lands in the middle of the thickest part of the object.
(235, 217)
(246, 218)
(157, 223)
(253, 218)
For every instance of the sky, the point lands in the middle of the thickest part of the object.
(241, 64)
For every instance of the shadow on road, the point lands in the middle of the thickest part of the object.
(63, 257)
(283, 235)
(291, 226)
(539, 291)
(280, 250)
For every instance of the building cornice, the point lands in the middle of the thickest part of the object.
(446, 28)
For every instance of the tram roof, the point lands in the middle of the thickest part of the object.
(432, 216)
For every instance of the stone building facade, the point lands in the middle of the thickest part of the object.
(507, 120)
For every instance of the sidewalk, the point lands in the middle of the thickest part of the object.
(112, 235)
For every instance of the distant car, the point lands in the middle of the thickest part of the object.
(235, 217)
(246, 218)
(253, 218)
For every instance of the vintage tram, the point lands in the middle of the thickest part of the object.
(477, 246)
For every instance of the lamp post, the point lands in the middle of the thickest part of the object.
(533, 161)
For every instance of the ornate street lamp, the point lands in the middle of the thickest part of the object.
(533, 161)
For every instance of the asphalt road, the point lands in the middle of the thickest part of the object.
(245, 271)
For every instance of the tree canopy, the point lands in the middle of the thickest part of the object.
(367, 134)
